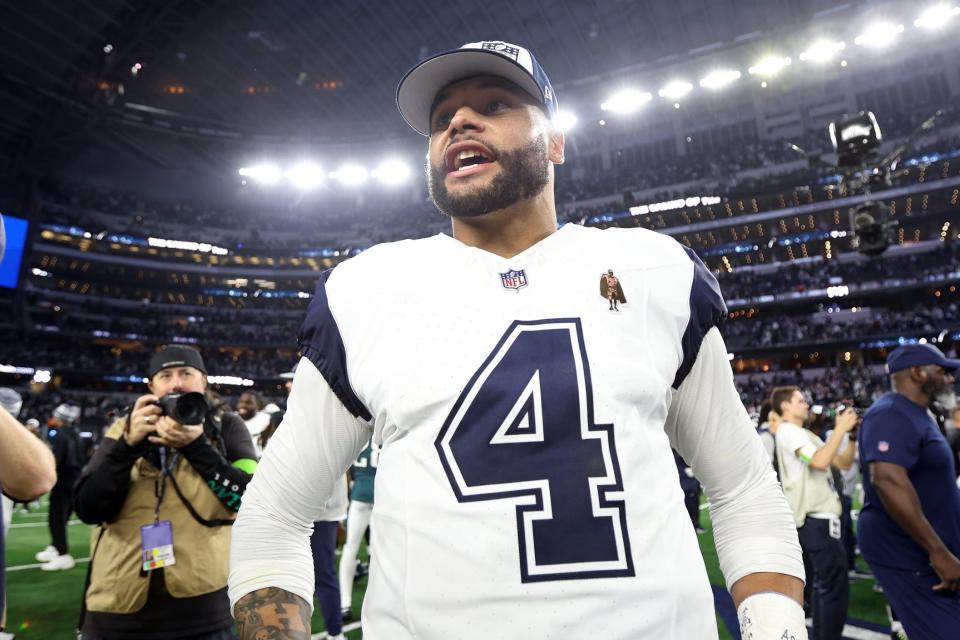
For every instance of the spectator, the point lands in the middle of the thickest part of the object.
(909, 528)
(27, 470)
(250, 408)
(69, 454)
(159, 562)
(362, 475)
(804, 468)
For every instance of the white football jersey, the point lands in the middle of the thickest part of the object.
(526, 486)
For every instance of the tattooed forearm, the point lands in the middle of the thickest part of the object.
(272, 614)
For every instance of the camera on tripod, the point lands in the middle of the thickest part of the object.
(186, 408)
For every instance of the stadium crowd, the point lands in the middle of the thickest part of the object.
(786, 330)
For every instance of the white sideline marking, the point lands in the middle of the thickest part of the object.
(30, 525)
(347, 627)
(859, 633)
(24, 567)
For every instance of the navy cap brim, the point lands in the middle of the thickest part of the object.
(417, 89)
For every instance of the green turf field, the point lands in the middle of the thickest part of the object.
(45, 605)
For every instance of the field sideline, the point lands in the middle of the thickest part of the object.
(46, 605)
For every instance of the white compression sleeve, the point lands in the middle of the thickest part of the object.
(311, 450)
(753, 528)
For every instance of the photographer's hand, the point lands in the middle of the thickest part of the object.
(171, 433)
(143, 420)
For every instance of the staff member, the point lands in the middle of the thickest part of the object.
(804, 467)
(163, 495)
(909, 528)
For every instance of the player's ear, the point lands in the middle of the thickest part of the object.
(556, 145)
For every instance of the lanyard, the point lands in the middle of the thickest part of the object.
(160, 485)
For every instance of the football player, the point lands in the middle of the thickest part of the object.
(526, 486)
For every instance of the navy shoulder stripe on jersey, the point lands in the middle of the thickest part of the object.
(707, 310)
(321, 343)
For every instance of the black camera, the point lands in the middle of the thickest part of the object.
(185, 408)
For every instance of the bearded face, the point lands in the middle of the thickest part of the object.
(522, 174)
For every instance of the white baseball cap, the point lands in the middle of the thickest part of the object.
(417, 89)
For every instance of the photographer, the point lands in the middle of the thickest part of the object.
(164, 487)
(804, 462)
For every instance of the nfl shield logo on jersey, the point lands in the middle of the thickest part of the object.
(883, 446)
(514, 280)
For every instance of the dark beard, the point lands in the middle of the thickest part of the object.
(524, 174)
(933, 388)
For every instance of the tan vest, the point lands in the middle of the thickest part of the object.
(117, 582)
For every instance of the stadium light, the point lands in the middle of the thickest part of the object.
(720, 78)
(675, 90)
(936, 16)
(392, 172)
(879, 34)
(305, 175)
(626, 101)
(265, 173)
(822, 51)
(565, 121)
(351, 175)
(769, 66)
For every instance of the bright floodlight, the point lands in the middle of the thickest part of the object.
(565, 120)
(720, 78)
(305, 175)
(936, 16)
(626, 101)
(392, 172)
(351, 175)
(675, 90)
(265, 173)
(822, 51)
(769, 66)
(879, 34)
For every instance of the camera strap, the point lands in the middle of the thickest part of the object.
(160, 484)
(193, 512)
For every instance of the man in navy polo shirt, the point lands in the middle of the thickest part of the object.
(909, 529)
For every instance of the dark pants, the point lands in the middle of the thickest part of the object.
(846, 530)
(691, 499)
(61, 506)
(831, 590)
(326, 585)
(924, 613)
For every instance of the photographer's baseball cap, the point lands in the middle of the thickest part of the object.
(919, 355)
(175, 355)
(420, 86)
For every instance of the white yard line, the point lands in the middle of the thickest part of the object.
(24, 567)
(859, 633)
(346, 627)
(30, 525)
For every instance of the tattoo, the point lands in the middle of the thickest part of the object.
(272, 614)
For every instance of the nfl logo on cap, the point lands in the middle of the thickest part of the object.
(419, 88)
(883, 446)
(514, 280)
